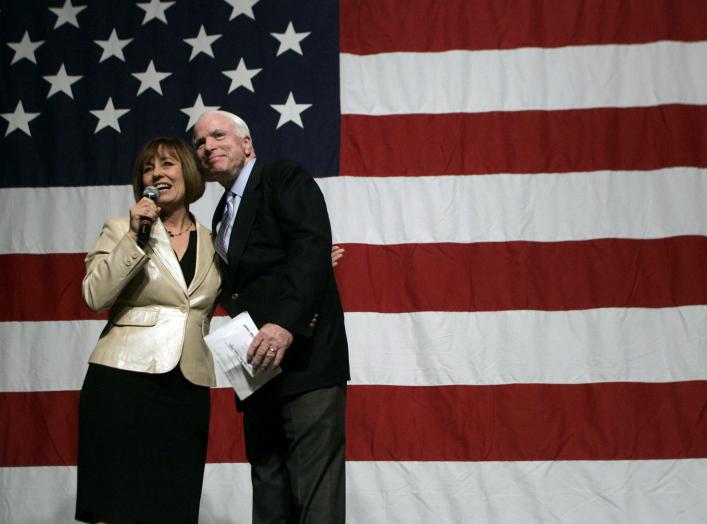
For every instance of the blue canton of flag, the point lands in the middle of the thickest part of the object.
(84, 85)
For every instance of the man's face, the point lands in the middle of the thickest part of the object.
(221, 151)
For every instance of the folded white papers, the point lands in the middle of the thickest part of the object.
(229, 346)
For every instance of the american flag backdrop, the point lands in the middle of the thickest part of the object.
(521, 188)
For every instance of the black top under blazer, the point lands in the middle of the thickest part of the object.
(279, 270)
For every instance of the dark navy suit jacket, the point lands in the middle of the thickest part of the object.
(279, 270)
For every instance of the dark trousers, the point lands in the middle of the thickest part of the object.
(295, 446)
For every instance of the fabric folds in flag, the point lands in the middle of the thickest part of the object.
(520, 190)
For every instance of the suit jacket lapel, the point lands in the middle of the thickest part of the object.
(162, 248)
(218, 213)
(245, 217)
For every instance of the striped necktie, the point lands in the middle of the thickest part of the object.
(222, 239)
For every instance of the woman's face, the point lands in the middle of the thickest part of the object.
(164, 171)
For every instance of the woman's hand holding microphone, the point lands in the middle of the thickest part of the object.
(144, 208)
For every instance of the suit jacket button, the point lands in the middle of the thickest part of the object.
(234, 296)
(135, 255)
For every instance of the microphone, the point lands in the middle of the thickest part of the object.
(143, 232)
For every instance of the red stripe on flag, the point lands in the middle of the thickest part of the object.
(524, 141)
(226, 442)
(548, 276)
(39, 428)
(609, 421)
(44, 287)
(366, 28)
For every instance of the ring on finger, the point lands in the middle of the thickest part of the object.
(272, 349)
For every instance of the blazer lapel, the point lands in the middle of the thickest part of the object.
(245, 217)
(204, 257)
(162, 248)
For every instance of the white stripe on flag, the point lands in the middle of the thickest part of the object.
(434, 348)
(505, 347)
(397, 210)
(500, 208)
(573, 77)
(649, 492)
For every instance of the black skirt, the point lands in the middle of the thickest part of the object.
(142, 446)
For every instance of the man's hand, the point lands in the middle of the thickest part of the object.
(336, 253)
(268, 347)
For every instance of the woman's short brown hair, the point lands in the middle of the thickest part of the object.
(194, 182)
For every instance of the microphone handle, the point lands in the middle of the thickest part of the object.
(143, 232)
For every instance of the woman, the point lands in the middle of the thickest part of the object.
(144, 405)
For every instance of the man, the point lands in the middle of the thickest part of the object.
(272, 231)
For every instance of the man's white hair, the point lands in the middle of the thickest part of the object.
(241, 126)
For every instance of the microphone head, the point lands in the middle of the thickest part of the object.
(152, 193)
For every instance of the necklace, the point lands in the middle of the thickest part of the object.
(172, 235)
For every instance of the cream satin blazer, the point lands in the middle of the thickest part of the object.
(155, 321)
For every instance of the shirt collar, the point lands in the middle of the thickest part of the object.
(238, 186)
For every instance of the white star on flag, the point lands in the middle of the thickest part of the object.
(150, 79)
(242, 7)
(25, 48)
(290, 40)
(241, 77)
(19, 119)
(67, 14)
(196, 111)
(61, 82)
(113, 47)
(108, 117)
(290, 111)
(155, 10)
(201, 43)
